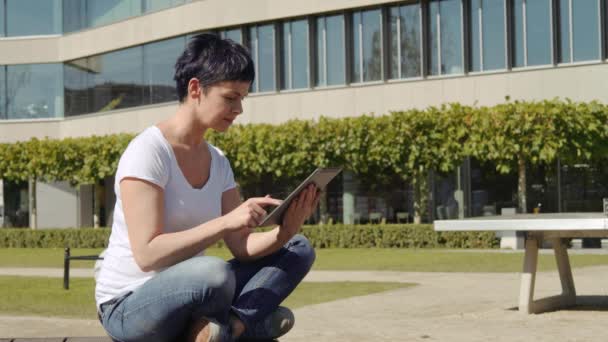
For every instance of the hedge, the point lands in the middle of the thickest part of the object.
(327, 236)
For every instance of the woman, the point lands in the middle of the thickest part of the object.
(176, 196)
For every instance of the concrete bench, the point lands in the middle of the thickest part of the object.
(536, 228)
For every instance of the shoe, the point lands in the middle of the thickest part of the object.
(277, 324)
(219, 333)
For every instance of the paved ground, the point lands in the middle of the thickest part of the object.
(444, 307)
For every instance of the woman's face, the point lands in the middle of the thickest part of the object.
(221, 103)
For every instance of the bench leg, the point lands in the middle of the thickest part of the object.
(565, 272)
(528, 276)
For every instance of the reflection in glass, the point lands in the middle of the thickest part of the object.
(372, 45)
(294, 55)
(74, 15)
(159, 61)
(109, 11)
(586, 30)
(367, 46)
(451, 37)
(157, 5)
(117, 79)
(446, 36)
(33, 17)
(34, 91)
(538, 32)
(330, 51)
(405, 41)
(77, 87)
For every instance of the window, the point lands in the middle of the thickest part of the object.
(330, 56)
(294, 55)
(532, 32)
(109, 11)
(117, 79)
(157, 5)
(74, 15)
(34, 91)
(579, 28)
(367, 46)
(233, 34)
(33, 17)
(2, 92)
(405, 41)
(159, 61)
(445, 37)
(78, 78)
(488, 35)
(2, 17)
(262, 40)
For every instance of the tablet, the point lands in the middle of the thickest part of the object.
(320, 177)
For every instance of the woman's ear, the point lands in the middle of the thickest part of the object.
(194, 88)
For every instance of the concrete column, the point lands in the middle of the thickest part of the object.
(32, 203)
(349, 186)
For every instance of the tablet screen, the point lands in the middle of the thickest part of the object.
(320, 177)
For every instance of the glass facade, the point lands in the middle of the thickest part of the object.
(2, 92)
(262, 40)
(157, 5)
(109, 11)
(74, 15)
(233, 34)
(367, 46)
(331, 56)
(117, 80)
(22, 20)
(2, 19)
(488, 35)
(445, 37)
(159, 61)
(579, 29)
(532, 22)
(405, 41)
(295, 66)
(77, 87)
(34, 91)
(282, 54)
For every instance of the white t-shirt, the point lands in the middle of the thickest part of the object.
(150, 157)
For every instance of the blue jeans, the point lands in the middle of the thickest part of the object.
(164, 307)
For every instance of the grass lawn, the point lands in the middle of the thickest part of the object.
(41, 296)
(383, 259)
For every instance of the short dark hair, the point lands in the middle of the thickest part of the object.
(212, 59)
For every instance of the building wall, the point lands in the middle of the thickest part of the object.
(174, 21)
(585, 82)
(57, 205)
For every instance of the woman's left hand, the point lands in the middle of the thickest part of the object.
(299, 210)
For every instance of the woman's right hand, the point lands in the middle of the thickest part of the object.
(250, 213)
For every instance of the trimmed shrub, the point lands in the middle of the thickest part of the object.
(326, 236)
